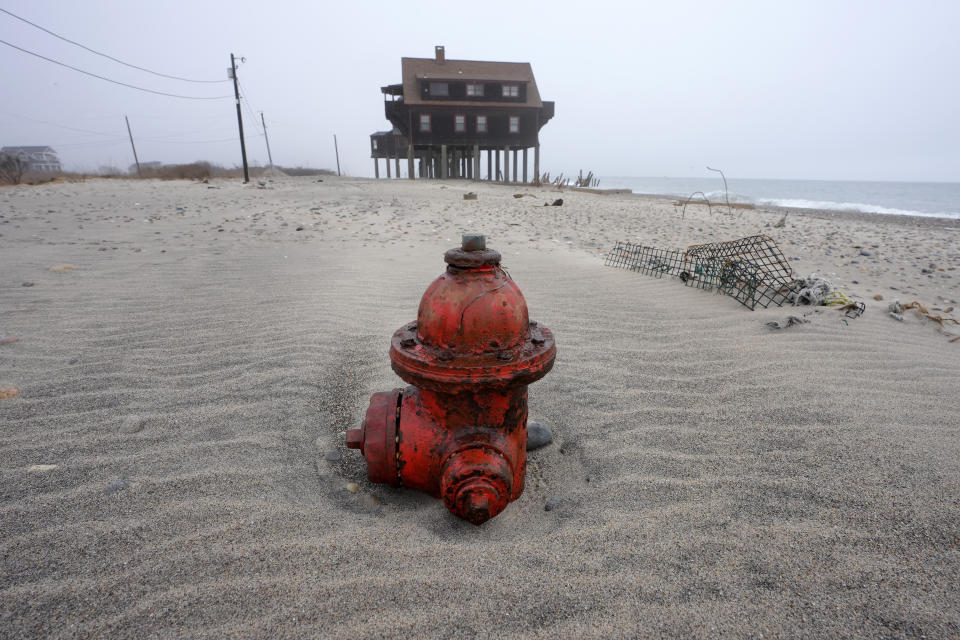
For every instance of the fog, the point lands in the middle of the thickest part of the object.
(804, 90)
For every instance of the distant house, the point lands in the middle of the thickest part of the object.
(446, 113)
(35, 159)
(389, 145)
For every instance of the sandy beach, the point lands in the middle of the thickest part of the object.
(186, 357)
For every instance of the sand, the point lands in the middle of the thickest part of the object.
(173, 463)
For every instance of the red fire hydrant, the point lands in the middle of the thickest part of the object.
(459, 432)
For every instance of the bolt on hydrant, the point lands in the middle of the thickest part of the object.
(459, 432)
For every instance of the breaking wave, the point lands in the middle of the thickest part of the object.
(799, 203)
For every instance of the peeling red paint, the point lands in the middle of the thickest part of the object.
(459, 432)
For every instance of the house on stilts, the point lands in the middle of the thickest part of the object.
(447, 113)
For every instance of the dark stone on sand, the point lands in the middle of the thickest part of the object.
(118, 485)
(553, 503)
(864, 252)
(27, 284)
(538, 435)
(299, 228)
(73, 361)
(333, 455)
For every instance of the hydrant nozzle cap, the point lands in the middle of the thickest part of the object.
(473, 242)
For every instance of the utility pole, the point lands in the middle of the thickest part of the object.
(269, 157)
(135, 159)
(236, 93)
(337, 151)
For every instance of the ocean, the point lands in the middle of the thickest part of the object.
(929, 199)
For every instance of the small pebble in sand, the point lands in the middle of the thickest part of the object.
(864, 252)
(538, 435)
(132, 424)
(789, 321)
(9, 340)
(27, 284)
(62, 267)
(118, 485)
(41, 468)
(299, 228)
(352, 487)
(878, 297)
(553, 503)
(333, 455)
(9, 392)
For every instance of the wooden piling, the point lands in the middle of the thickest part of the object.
(536, 163)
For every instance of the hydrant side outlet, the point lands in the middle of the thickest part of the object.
(459, 431)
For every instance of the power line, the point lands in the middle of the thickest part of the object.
(54, 124)
(246, 93)
(133, 66)
(252, 114)
(185, 142)
(163, 137)
(246, 103)
(169, 135)
(123, 84)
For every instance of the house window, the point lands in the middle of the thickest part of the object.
(511, 91)
(514, 124)
(460, 123)
(481, 124)
(474, 89)
(425, 123)
(374, 145)
(439, 89)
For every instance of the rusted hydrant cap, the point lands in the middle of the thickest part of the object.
(472, 252)
(473, 308)
(475, 484)
(472, 330)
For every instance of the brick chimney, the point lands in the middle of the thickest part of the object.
(441, 56)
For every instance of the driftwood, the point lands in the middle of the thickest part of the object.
(559, 181)
(586, 180)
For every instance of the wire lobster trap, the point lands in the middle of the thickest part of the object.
(751, 270)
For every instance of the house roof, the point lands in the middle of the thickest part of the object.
(415, 69)
(26, 149)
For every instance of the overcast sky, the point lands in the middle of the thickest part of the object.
(811, 90)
